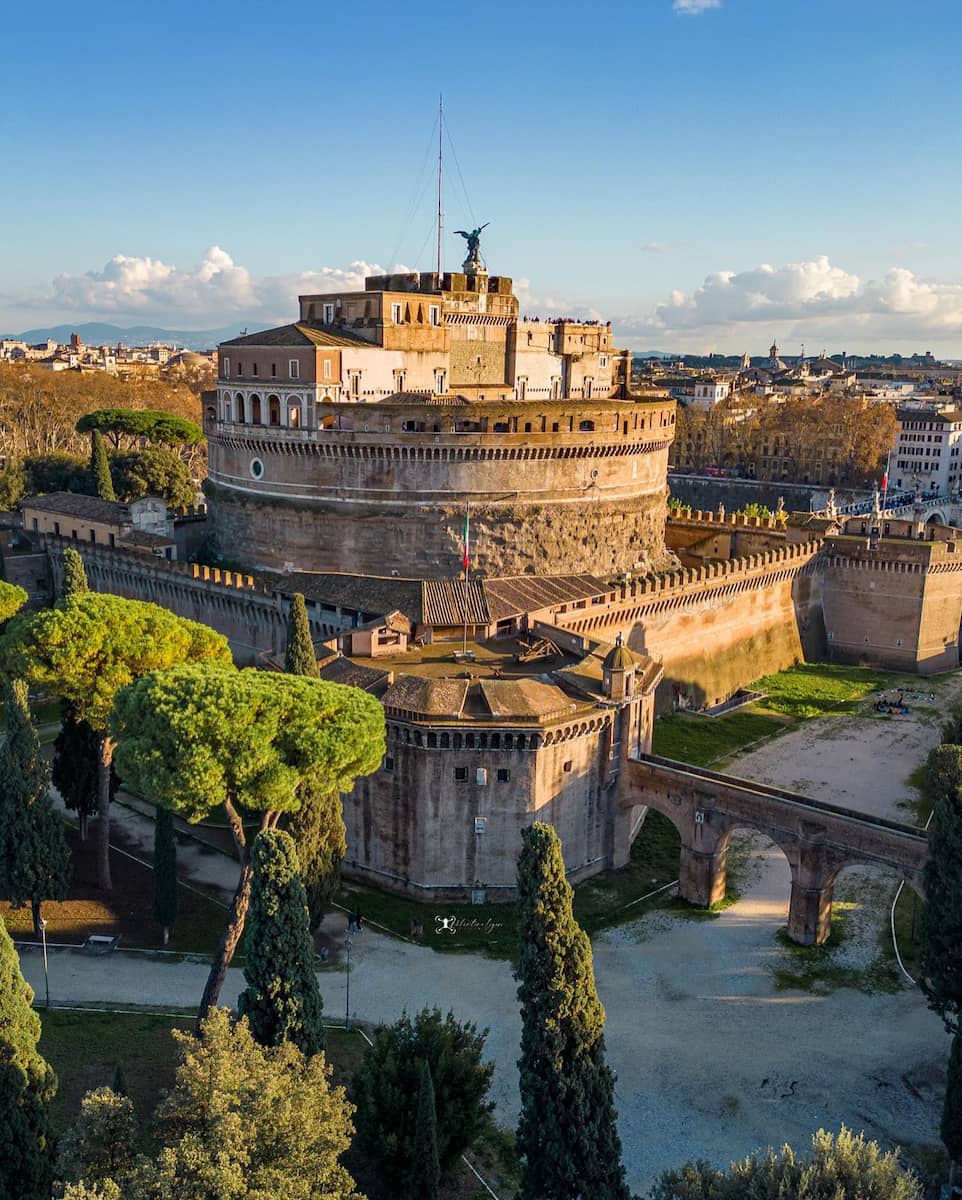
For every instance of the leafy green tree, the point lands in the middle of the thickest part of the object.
(165, 871)
(101, 1143)
(57, 472)
(34, 858)
(941, 924)
(154, 471)
(842, 1167)
(27, 1085)
(89, 647)
(425, 1169)
(74, 574)
(567, 1135)
(387, 1085)
(162, 428)
(282, 1001)
(12, 599)
(74, 767)
(247, 1122)
(201, 738)
(107, 1189)
(300, 658)
(13, 483)
(99, 468)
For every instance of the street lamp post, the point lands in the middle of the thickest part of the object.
(347, 1002)
(46, 976)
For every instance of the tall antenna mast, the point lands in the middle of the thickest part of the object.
(440, 173)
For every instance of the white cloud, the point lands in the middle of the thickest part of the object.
(809, 300)
(694, 7)
(656, 247)
(214, 291)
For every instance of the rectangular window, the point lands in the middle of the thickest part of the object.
(328, 314)
(388, 763)
(225, 368)
(113, 539)
(461, 774)
(602, 360)
(254, 369)
(93, 535)
(396, 314)
(240, 370)
(356, 384)
(434, 314)
(327, 368)
(36, 525)
(294, 367)
(504, 775)
(440, 382)
(273, 370)
(399, 378)
(56, 528)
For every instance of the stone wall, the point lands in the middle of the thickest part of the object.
(250, 614)
(708, 492)
(718, 627)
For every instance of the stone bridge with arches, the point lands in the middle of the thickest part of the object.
(818, 839)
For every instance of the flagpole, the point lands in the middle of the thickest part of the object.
(467, 568)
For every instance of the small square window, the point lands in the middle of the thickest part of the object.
(388, 763)
(461, 774)
(567, 766)
(503, 774)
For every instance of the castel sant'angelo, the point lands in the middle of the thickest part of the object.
(474, 507)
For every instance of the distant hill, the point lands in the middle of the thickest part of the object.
(96, 333)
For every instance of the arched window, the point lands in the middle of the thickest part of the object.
(294, 416)
(274, 410)
(239, 409)
(255, 410)
(587, 426)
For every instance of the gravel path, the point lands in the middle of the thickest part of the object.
(711, 1060)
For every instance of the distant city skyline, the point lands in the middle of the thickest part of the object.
(706, 174)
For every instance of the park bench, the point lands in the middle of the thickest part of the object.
(100, 943)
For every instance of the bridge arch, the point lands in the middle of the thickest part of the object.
(818, 840)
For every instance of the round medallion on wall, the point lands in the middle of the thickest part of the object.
(257, 468)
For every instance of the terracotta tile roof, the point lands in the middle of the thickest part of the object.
(427, 697)
(338, 669)
(443, 602)
(375, 595)
(525, 698)
(143, 537)
(72, 504)
(300, 333)
(527, 593)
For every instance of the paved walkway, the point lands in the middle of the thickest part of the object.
(711, 1060)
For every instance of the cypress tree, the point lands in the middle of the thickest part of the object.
(318, 825)
(567, 1134)
(425, 1169)
(74, 573)
(282, 1001)
(300, 658)
(27, 1085)
(34, 857)
(74, 767)
(951, 1127)
(165, 871)
(100, 468)
(941, 925)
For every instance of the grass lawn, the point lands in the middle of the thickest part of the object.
(85, 1049)
(127, 911)
(797, 694)
(492, 929)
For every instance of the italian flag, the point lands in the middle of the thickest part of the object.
(885, 481)
(466, 561)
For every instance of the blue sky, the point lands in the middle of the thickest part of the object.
(706, 175)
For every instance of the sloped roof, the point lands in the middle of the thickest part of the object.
(443, 602)
(338, 669)
(525, 698)
(300, 333)
(527, 593)
(427, 697)
(72, 504)
(368, 593)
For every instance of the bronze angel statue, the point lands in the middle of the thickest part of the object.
(473, 238)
